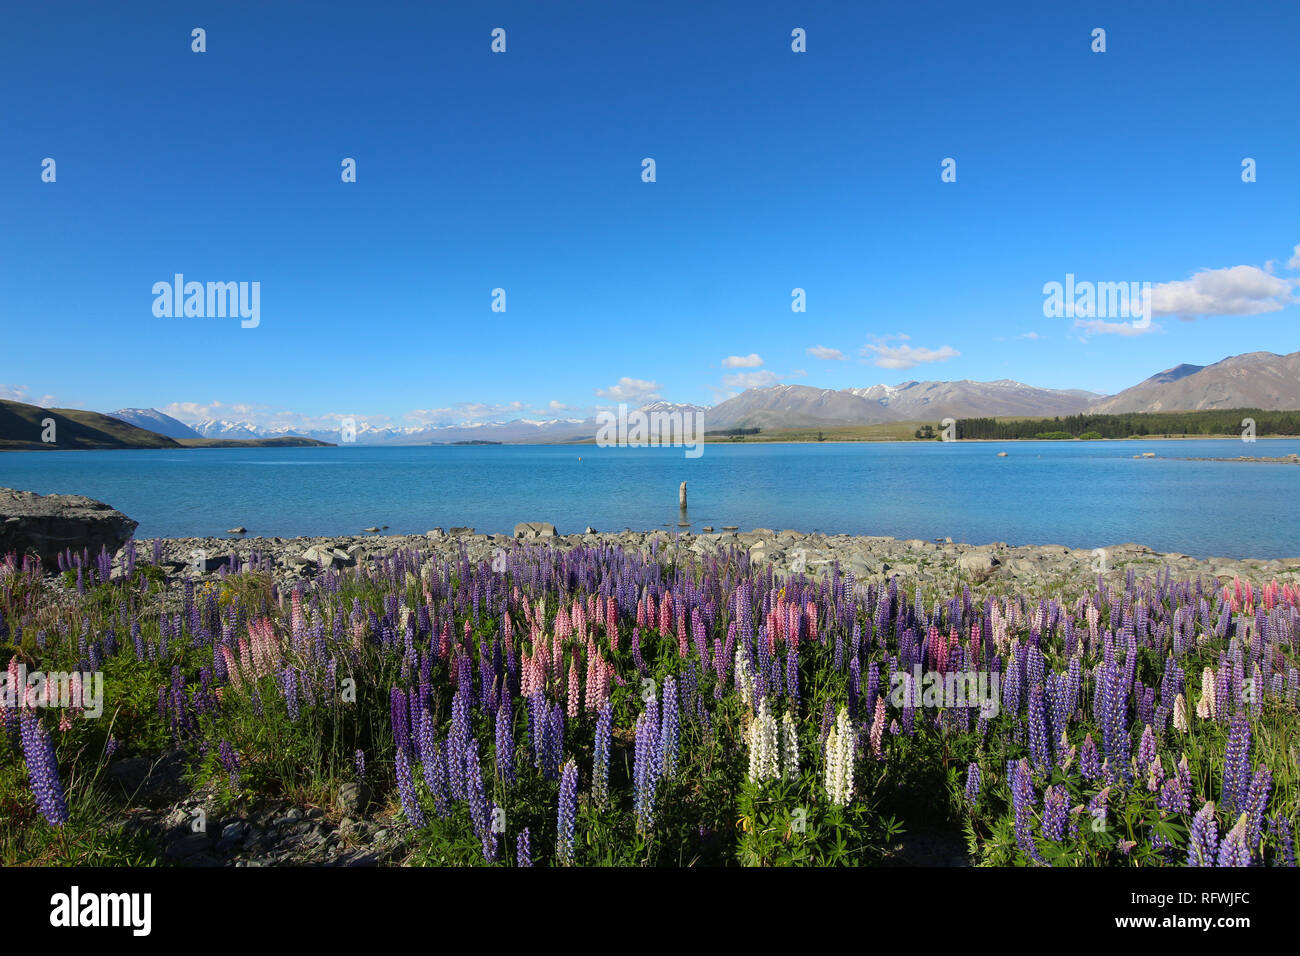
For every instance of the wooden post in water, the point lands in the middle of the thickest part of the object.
(681, 496)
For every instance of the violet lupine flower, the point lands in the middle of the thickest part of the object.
(1235, 849)
(1146, 754)
(505, 745)
(1040, 750)
(1256, 802)
(600, 770)
(523, 852)
(669, 732)
(401, 723)
(229, 762)
(1022, 801)
(406, 790)
(567, 814)
(1055, 814)
(1236, 766)
(972, 783)
(43, 770)
(479, 810)
(1203, 840)
(1088, 763)
(458, 740)
(792, 675)
(361, 764)
(644, 767)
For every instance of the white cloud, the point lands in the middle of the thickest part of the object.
(460, 413)
(827, 354)
(742, 361)
(631, 390)
(1102, 327)
(1032, 336)
(744, 380)
(1294, 261)
(906, 356)
(1238, 290)
(21, 393)
(555, 406)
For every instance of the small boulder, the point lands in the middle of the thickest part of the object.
(535, 529)
(354, 798)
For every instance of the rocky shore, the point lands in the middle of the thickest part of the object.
(944, 563)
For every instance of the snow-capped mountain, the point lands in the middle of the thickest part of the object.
(214, 428)
(150, 419)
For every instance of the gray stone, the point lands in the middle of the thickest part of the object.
(354, 798)
(46, 525)
(978, 562)
(537, 529)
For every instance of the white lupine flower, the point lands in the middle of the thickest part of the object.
(789, 747)
(744, 681)
(764, 746)
(1205, 707)
(1180, 713)
(839, 760)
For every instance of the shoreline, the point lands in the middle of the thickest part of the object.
(943, 564)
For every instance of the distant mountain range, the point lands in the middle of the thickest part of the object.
(26, 427)
(1254, 380)
(150, 419)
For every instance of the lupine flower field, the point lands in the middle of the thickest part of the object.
(596, 707)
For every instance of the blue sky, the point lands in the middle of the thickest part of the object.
(522, 171)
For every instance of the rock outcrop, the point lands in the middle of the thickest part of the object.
(46, 525)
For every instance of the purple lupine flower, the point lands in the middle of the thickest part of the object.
(644, 766)
(1235, 849)
(567, 814)
(1022, 800)
(972, 783)
(1236, 766)
(1256, 802)
(1040, 750)
(669, 731)
(1088, 764)
(401, 723)
(792, 675)
(406, 789)
(43, 770)
(1146, 754)
(361, 764)
(505, 744)
(458, 739)
(1203, 840)
(523, 852)
(600, 769)
(1055, 814)
(229, 762)
(479, 810)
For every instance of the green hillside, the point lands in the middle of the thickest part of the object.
(21, 427)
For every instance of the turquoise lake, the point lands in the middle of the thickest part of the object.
(1079, 494)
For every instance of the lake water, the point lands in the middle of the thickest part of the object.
(1079, 494)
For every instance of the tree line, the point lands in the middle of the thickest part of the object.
(1229, 421)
